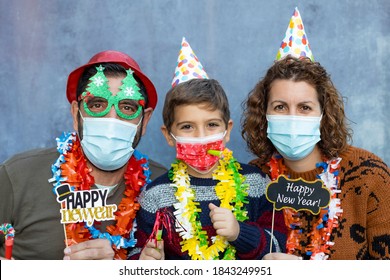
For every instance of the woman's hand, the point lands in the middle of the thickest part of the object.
(280, 256)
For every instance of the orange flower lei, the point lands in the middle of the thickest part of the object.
(319, 246)
(71, 167)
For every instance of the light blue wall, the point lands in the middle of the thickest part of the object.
(236, 41)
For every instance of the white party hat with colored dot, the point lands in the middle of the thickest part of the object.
(295, 42)
(188, 66)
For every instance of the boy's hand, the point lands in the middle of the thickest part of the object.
(96, 249)
(224, 222)
(151, 252)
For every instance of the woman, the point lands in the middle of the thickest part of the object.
(294, 122)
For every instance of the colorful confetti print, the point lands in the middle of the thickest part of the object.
(188, 66)
(295, 42)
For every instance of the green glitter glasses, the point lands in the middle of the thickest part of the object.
(98, 99)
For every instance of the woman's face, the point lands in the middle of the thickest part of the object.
(287, 97)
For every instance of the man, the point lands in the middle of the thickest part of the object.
(111, 104)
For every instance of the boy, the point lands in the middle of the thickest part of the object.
(219, 208)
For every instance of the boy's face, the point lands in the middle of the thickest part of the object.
(197, 121)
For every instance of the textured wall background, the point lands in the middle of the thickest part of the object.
(41, 42)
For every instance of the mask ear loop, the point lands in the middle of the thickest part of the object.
(173, 136)
(79, 126)
(81, 115)
(138, 139)
(140, 120)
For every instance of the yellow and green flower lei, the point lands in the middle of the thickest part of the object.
(232, 193)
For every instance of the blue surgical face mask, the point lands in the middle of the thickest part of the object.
(108, 142)
(294, 136)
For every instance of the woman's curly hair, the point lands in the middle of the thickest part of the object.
(335, 132)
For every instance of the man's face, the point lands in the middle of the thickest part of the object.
(98, 104)
(98, 98)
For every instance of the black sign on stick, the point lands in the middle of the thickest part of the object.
(298, 194)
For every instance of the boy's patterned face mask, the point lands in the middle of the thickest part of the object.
(194, 151)
(98, 99)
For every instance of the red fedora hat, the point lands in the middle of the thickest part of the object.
(113, 57)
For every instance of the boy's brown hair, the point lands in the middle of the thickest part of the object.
(196, 91)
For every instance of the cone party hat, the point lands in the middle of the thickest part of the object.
(295, 41)
(188, 65)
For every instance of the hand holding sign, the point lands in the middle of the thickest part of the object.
(298, 195)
